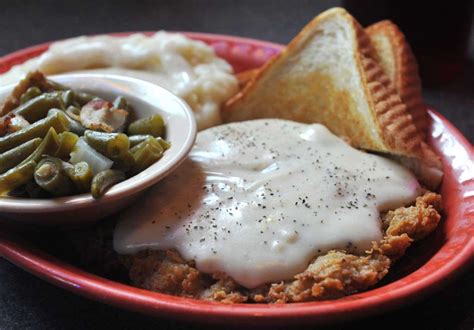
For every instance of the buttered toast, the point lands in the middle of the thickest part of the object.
(329, 74)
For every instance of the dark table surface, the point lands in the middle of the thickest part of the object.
(29, 303)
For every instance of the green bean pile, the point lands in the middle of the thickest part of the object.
(52, 144)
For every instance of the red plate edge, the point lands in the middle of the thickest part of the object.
(460, 200)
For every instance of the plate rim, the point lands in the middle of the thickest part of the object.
(121, 295)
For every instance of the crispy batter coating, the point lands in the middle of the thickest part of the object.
(165, 271)
(329, 276)
(416, 221)
(332, 275)
(225, 290)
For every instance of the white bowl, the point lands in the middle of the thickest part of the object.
(146, 99)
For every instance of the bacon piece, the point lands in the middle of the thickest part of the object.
(101, 115)
(11, 123)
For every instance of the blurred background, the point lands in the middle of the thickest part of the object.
(440, 32)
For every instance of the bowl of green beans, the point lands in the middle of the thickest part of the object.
(76, 148)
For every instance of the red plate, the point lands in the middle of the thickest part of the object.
(427, 265)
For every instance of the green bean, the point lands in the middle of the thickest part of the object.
(81, 175)
(48, 146)
(52, 85)
(15, 156)
(33, 159)
(102, 181)
(153, 125)
(71, 97)
(74, 113)
(50, 175)
(67, 96)
(111, 145)
(39, 129)
(145, 154)
(82, 98)
(164, 144)
(17, 176)
(32, 79)
(67, 141)
(37, 108)
(124, 162)
(149, 140)
(136, 139)
(74, 126)
(30, 93)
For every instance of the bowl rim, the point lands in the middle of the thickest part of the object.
(130, 186)
(156, 304)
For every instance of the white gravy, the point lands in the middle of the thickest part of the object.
(258, 200)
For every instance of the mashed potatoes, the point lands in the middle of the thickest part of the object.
(186, 67)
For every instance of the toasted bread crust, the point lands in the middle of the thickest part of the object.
(245, 76)
(395, 122)
(406, 79)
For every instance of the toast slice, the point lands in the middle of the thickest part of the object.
(329, 74)
(245, 76)
(399, 64)
(397, 61)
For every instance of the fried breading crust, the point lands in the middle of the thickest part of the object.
(332, 275)
(335, 274)
(166, 272)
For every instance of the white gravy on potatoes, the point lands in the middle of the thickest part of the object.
(188, 68)
(258, 200)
